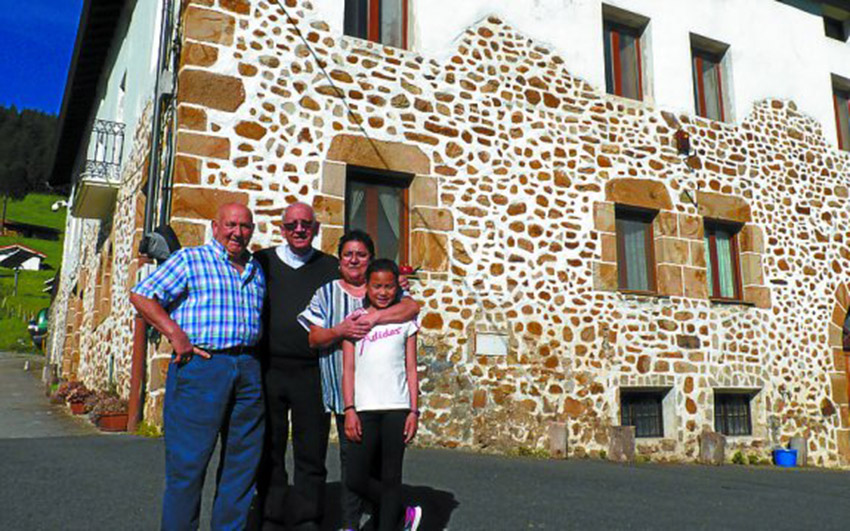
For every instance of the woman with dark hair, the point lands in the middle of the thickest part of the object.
(334, 314)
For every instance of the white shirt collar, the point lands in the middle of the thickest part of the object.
(290, 258)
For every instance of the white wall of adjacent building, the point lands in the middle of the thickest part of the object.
(775, 50)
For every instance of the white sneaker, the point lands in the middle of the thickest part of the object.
(412, 517)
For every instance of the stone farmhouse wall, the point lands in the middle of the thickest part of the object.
(91, 321)
(517, 167)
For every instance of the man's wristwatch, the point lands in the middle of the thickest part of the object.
(416, 412)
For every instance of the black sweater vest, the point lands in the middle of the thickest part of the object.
(288, 292)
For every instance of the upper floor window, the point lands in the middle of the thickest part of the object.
(383, 21)
(841, 101)
(635, 250)
(707, 66)
(378, 204)
(722, 260)
(624, 68)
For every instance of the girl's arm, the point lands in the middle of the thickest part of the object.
(412, 422)
(353, 430)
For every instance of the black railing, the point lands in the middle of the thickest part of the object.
(104, 160)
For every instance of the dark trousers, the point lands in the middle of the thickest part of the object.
(295, 390)
(350, 502)
(383, 431)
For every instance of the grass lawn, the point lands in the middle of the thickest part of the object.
(17, 310)
(35, 209)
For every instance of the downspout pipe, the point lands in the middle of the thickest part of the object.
(138, 368)
(156, 128)
(137, 374)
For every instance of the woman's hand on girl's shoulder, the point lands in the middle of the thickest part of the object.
(411, 424)
(354, 327)
(353, 429)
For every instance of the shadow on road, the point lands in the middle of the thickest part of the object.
(437, 506)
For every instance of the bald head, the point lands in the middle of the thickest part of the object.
(233, 227)
(299, 227)
(302, 208)
(230, 209)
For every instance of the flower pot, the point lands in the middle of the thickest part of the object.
(112, 422)
(785, 458)
(78, 408)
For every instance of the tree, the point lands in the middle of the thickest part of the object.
(14, 184)
(26, 141)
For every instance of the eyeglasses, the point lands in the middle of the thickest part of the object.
(292, 225)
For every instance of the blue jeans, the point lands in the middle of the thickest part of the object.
(204, 399)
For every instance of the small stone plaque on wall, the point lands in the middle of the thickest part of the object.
(491, 344)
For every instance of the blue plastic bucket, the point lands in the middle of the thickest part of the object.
(785, 457)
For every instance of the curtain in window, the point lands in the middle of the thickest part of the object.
(390, 199)
(622, 47)
(725, 271)
(634, 237)
(707, 86)
(376, 209)
(391, 23)
(356, 215)
(711, 88)
(709, 266)
(355, 200)
(629, 66)
(392, 208)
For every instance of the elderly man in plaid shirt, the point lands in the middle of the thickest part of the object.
(214, 295)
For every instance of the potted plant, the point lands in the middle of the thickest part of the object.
(58, 395)
(62, 391)
(110, 413)
(76, 399)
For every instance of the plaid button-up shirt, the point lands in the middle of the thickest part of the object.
(208, 298)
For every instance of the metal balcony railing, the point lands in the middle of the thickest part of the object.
(95, 193)
(104, 160)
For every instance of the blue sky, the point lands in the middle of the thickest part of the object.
(36, 43)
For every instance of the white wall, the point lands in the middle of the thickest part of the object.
(32, 264)
(136, 57)
(776, 51)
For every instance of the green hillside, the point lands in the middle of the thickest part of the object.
(16, 310)
(35, 209)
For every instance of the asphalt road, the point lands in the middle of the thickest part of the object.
(56, 474)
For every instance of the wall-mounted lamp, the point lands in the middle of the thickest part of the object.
(683, 142)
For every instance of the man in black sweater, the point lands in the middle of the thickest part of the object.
(294, 271)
